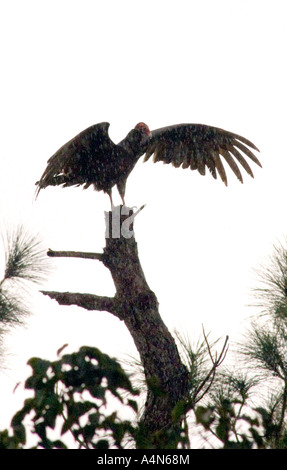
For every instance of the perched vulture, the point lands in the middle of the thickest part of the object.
(92, 158)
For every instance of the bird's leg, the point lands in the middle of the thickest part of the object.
(111, 199)
(123, 199)
(121, 185)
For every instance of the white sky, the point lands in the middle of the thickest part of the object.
(68, 64)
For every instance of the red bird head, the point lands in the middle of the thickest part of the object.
(143, 128)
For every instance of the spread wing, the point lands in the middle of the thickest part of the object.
(81, 160)
(197, 146)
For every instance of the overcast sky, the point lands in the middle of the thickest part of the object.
(69, 64)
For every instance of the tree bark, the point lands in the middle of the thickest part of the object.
(136, 304)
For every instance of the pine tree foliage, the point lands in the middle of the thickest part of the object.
(250, 410)
(24, 261)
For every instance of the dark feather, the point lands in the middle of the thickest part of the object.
(200, 147)
(242, 160)
(219, 166)
(231, 163)
(248, 153)
(211, 166)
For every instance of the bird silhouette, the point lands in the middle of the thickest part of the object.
(92, 158)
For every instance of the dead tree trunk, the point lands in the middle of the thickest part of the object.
(136, 305)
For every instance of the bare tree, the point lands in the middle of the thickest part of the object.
(136, 305)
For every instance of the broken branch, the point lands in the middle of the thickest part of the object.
(74, 254)
(87, 301)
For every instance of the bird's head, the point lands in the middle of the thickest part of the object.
(137, 140)
(143, 128)
(140, 137)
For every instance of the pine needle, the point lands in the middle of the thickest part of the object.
(25, 258)
(25, 262)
